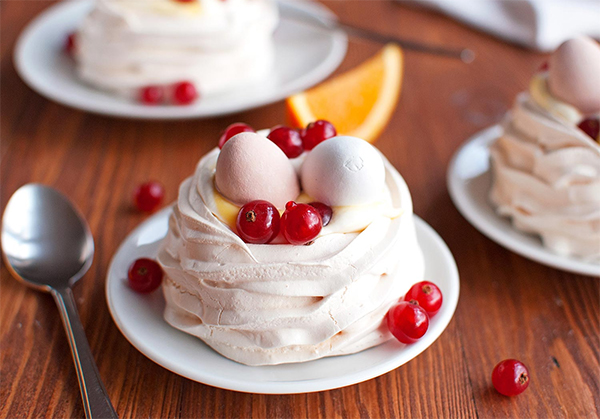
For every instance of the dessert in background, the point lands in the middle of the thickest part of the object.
(546, 165)
(289, 246)
(175, 51)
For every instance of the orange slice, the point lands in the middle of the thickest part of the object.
(359, 102)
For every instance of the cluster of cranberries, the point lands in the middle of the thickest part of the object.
(408, 319)
(259, 222)
(291, 141)
(182, 93)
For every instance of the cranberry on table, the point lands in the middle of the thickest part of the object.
(70, 43)
(510, 377)
(288, 140)
(185, 93)
(144, 275)
(258, 222)
(591, 126)
(300, 223)
(148, 196)
(232, 130)
(152, 95)
(317, 132)
(427, 294)
(407, 321)
(325, 211)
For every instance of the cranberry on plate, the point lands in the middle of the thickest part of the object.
(185, 93)
(152, 95)
(427, 294)
(70, 43)
(407, 321)
(144, 275)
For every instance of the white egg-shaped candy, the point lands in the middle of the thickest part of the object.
(343, 171)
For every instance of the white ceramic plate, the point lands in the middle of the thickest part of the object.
(139, 317)
(469, 183)
(304, 56)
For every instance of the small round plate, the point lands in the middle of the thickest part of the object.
(140, 319)
(469, 183)
(305, 54)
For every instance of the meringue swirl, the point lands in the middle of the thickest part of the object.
(278, 303)
(547, 174)
(123, 45)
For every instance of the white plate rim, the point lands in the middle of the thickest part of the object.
(318, 73)
(438, 325)
(508, 237)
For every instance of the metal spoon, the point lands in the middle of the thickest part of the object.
(48, 245)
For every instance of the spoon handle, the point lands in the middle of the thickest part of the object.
(95, 399)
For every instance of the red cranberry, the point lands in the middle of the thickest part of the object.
(70, 43)
(258, 222)
(510, 377)
(232, 130)
(144, 275)
(184, 93)
(544, 67)
(407, 321)
(148, 196)
(317, 132)
(325, 211)
(288, 140)
(152, 95)
(300, 223)
(591, 126)
(427, 294)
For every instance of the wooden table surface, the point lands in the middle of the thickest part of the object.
(509, 307)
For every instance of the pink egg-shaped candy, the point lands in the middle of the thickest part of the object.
(574, 74)
(252, 167)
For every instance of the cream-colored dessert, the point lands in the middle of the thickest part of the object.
(263, 304)
(125, 45)
(546, 165)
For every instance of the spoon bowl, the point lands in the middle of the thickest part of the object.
(46, 242)
(48, 245)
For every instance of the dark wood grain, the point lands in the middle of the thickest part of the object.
(509, 306)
